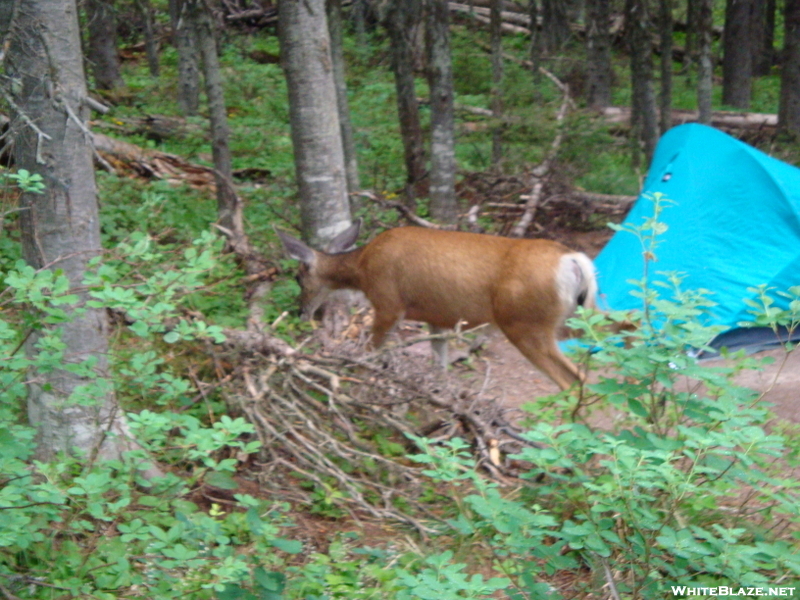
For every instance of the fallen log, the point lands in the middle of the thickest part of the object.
(618, 115)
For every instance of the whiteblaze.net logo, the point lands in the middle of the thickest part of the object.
(724, 591)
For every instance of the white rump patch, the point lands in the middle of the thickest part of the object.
(575, 278)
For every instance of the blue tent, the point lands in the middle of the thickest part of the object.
(734, 224)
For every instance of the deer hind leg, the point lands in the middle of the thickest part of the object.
(385, 321)
(539, 346)
(439, 347)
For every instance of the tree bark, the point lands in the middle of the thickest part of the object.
(644, 114)
(763, 37)
(737, 65)
(705, 66)
(60, 228)
(150, 42)
(536, 42)
(334, 11)
(102, 56)
(555, 24)
(402, 19)
(691, 43)
(598, 51)
(496, 38)
(440, 82)
(188, 68)
(228, 208)
(789, 110)
(665, 97)
(313, 113)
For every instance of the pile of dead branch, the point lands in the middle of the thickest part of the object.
(326, 417)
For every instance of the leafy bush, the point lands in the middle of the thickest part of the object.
(688, 490)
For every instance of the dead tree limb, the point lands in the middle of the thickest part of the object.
(406, 212)
(540, 173)
(722, 119)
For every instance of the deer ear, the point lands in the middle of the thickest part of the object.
(296, 249)
(346, 239)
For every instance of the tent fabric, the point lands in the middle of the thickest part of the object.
(733, 223)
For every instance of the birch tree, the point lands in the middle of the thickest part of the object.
(60, 228)
(440, 82)
(314, 118)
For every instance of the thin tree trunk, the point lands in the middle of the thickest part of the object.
(440, 81)
(665, 98)
(598, 51)
(150, 42)
(644, 120)
(737, 64)
(555, 24)
(789, 110)
(334, 10)
(314, 117)
(359, 14)
(401, 21)
(60, 227)
(705, 66)
(102, 27)
(535, 49)
(691, 43)
(763, 37)
(497, 81)
(188, 68)
(228, 209)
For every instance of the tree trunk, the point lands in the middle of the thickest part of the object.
(359, 15)
(789, 110)
(598, 51)
(644, 120)
(555, 24)
(199, 19)
(691, 43)
(402, 19)
(60, 228)
(763, 37)
(665, 98)
(737, 65)
(102, 27)
(705, 66)
(188, 69)
(536, 39)
(440, 81)
(334, 11)
(496, 34)
(313, 113)
(150, 42)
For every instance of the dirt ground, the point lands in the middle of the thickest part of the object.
(514, 381)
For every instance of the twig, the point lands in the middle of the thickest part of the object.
(21, 114)
(403, 210)
(540, 173)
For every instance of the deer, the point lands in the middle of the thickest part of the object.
(525, 287)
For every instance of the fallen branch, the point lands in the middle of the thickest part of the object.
(313, 413)
(541, 172)
(721, 119)
(406, 212)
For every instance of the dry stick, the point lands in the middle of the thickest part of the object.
(308, 446)
(403, 210)
(540, 173)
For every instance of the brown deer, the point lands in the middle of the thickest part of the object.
(527, 288)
